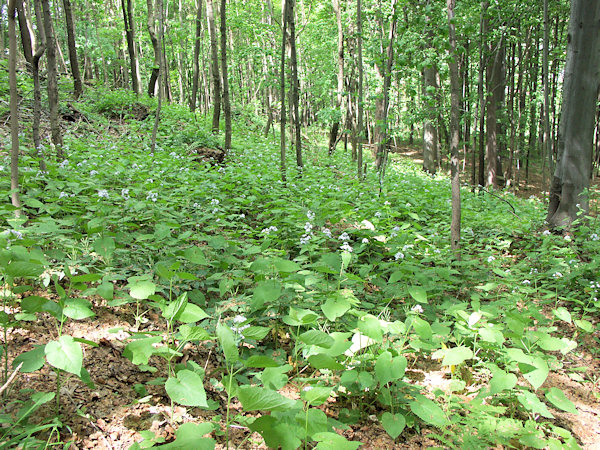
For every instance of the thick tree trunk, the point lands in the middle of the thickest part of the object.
(216, 78)
(282, 162)
(127, 6)
(568, 194)
(480, 92)
(74, 63)
(333, 134)
(52, 81)
(495, 89)
(155, 47)
(196, 75)
(226, 102)
(360, 126)
(14, 107)
(430, 131)
(295, 85)
(160, 77)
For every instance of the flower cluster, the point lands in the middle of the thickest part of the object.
(125, 194)
(103, 193)
(152, 196)
(237, 320)
(269, 230)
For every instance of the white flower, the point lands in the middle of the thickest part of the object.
(103, 193)
(308, 227)
(93, 172)
(307, 388)
(214, 202)
(269, 230)
(567, 238)
(417, 308)
(398, 256)
(63, 195)
(344, 237)
(237, 320)
(152, 196)
(327, 232)
(594, 237)
(346, 247)
(546, 233)
(125, 194)
(377, 214)
(305, 239)
(557, 275)
(526, 282)
(310, 215)
(534, 270)
(437, 250)
(242, 216)
(490, 258)
(386, 203)
(365, 241)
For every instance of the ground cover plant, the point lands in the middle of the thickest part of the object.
(170, 300)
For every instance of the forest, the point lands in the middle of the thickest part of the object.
(328, 224)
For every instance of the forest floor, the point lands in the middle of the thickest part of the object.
(126, 402)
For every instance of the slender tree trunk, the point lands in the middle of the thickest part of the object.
(196, 75)
(127, 6)
(482, 103)
(52, 81)
(216, 78)
(155, 47)
(226, 102)
(160, 77)
(430, 131)
(2, 39)
(14, 107)
(568, 194)
(546, 141)
(333, 134)
(454, 130)
(359, 131)
(282, 162)
(495, 92)
(295, 85)
(74, 63)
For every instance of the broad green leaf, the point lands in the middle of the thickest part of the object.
(335, 306)
(457, 355)
(298, 317)
(550, 343)
(106, 290)
(538, 375)
(275, 377)
(312, 421)
(190, 435)
(197, 333)
(393, 424)
(585, 325)
(191, 313)
(370, 326)
(428, 411)
(24, 269)
(534, 439)
(32, 360)
(65, 354)
(254, 398)
(418, 293)
(142, 289)
(563, 314)
(315, 396)
(502, 381)
(316, 337)
(285, 266)
(277, 433)
(195, 255)
(388, 368)
(139, 351)
(530, 401)
(260, 362)
(322, 361)
(227, 341)
(560, 400)
(491, 335)
(86, 278)
(333, 441)
(422, 328)
(267, 292)
(105, 246)
(77, 308)
(255, 333)
(187, 389)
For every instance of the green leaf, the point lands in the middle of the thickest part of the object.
(393, 424)
(322, 361)
(254, 398)
(538, 375)
(191, 313)
(585, 325)
(77, 309)
(563, 314)
(86, 278)
(560, 400)
(32, 360)
(333, 441)
(260, 362)
(285, 266)
(418, 293)
(255, 333)
(106, 290)
(316, 337)
(24, 269)
(65, 354)
(530, 401)
(388, 368)
(105, 246)
(457, 355)
(422, 328)
(190, 435)
(142, 289)
(315, 395)
(139, 351)
(227, 341)
(370, 326)
(335, 306)
(187, 389)
(195, 255)
(267, 292)
(502, 381)
(275, 377)
(428, 411)
(189, 333)
(276, 433)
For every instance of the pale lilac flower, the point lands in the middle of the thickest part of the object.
(557, 275)
(125, 194)
(365, 241)
(93, 172)
(346, 247)
(398, 256)
(152, 196)
(417, 309)
(490, 258)
(344, 236)
(103, 193)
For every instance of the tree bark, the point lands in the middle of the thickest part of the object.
(216, 78)
(155, 47)
(295, 85)
(52, 81)
(430, 131)
(282, 162)
(454, 130)
(160, 76)
(196, 75)
(495, 89)
(568, 194)
(360, 113)
(333, 134)
(73, 62)
(127, 6)
(14, 107)
(226, 102)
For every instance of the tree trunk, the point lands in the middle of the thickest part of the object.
(226, 103)
(430, 131)
(359, 128)
(454, 130)
(196, 74)
(482, 103)
(216, 78)
(295, 85)
(14, 107)
(282, 162)
(127, 6)
(52, 81)
(74, 63)
(495, 89)
(568, 194)
(155, 47)
(333, 134)
(160, 76)
(546, 140)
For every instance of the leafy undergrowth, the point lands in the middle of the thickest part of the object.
(154, 298)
